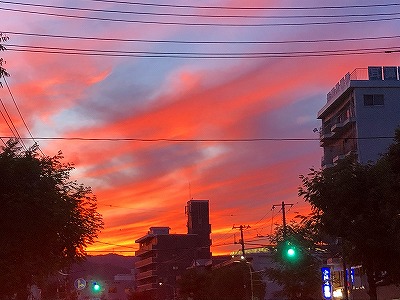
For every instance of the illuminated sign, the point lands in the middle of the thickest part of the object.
(326, 283)
(80, 284)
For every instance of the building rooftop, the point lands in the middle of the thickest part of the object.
(380, 76)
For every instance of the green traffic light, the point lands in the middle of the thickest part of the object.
(96, 287)
(291, 252)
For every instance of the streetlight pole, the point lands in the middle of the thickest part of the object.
(251, 280)
(251, 275)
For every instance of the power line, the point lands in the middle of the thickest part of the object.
(10, 123)
(20, 114)
(6, 120)
(200, 23)
(223, 244)
(199, 14)
(248, 8)
(110, 251)
(111, 244)
(206, 53)
(139, 210)
(199, 55)
(200, 140)
(199, 42)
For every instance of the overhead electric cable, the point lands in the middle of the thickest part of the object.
(200, 23)
(124, 246)
(7, 123)
(139, 210)
(12, 127)
(247, 8)
(20, 114)
(224, 236)
(199, 15)
(199, 42)
(199, 55)
(224, 244)
(206, 53)
(201, 140)
(110, 251)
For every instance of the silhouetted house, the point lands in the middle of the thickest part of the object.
(163, 257)
(362, 111)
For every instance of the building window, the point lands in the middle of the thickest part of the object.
(373, 100)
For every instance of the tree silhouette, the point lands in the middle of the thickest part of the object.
(299, 275)
(46, 220)
(3, 39)
(360, 204)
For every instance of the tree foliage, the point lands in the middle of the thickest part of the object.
(46, 220)
(360, 204)
(300, 275)
(231, 282)
(3, 71)
(196, 284)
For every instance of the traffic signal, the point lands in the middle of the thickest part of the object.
(96, 287)
(290, 251)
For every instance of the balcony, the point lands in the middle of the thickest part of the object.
(343, 125)
(146, 287)
(144, 250)
(343, 156)
(324, 137)
(326, 163)
(145, 275)
(145, 262)
(337, 158)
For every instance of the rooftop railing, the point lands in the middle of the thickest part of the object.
(370, 73)
(359, 74)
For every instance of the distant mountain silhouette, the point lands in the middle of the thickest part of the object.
(103, 266)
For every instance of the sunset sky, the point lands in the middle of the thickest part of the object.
(160, 102)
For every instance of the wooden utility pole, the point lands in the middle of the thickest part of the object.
(345, 281)
(283, 209)
(241, 227)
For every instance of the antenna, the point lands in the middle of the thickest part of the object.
(190, 191)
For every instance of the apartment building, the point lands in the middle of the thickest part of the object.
(361, 114)
(163, 257)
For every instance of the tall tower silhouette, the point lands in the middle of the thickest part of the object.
(199, 224)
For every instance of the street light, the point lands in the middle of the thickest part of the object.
(170, 285)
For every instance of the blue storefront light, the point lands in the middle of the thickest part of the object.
(326, 283)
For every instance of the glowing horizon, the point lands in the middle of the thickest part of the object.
(189, 115)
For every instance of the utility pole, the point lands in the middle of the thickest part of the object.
(241, 227)
(345, 281)
(283, 208)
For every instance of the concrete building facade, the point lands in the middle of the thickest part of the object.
(361, 114)
(163, 257)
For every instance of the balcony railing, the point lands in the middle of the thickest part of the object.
(359, 74)
(324, 136)
(376, 73)
(147, 274)
(370, 73)
(326, 163)
(143, 250)
(145, 262)
(342, 125)
(146, 287)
